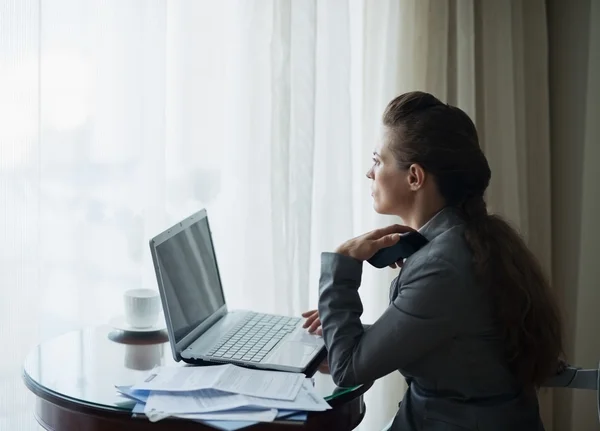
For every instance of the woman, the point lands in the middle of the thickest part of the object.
(472, 323)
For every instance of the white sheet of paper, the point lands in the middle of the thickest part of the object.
(307, 400)
(180, 378)
(227, 378)
(260, 383)
(229, 425)
(206, 401)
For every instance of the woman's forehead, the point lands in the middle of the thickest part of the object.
(382, 144)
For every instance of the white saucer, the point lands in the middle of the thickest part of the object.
(119, 322)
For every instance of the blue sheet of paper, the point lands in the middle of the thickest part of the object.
(141, 396)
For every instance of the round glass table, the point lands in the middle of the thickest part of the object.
(74, 376)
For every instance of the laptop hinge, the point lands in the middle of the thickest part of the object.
(200, 329)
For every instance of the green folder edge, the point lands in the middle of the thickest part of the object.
(341, 392)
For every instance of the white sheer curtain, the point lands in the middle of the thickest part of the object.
(119, 117)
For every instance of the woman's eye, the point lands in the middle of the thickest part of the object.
(375, 162)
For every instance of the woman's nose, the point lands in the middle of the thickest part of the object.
(370, 174)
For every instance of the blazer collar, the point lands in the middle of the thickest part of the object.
(443, 220)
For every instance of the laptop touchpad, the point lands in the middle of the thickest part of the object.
(295, 353)
(306, 338)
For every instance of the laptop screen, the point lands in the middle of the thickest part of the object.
(190, 277)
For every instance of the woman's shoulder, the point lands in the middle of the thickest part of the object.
(448, 251)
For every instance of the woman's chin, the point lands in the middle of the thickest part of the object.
(382, 209)
(378, 209)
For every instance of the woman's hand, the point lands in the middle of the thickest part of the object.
(313, 323)
(360, 248)
(324, 367)
(365, 246)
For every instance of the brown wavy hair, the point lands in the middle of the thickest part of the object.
(443, 140)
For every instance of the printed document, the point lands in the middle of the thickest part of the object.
(213, 401)
(278, 385)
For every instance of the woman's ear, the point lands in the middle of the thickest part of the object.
(416, 176)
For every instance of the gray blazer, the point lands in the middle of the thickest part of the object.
(438, 332)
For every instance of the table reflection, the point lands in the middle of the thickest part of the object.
(143, 357)
(86, 365)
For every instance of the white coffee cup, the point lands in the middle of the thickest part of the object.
(141, 307)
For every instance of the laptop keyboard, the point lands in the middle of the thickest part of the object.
(253, 338)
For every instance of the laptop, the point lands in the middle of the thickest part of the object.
(201, 329)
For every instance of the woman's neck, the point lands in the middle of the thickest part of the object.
(421, 214)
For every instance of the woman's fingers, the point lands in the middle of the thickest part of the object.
(309, 313)
(310, 318)
(386, 241)
(314, 325)
(388, 230)
(312, 322)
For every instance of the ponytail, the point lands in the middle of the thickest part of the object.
(525, 310)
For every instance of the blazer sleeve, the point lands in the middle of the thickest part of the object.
(421, 317)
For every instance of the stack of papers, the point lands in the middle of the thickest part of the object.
(226, 397)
